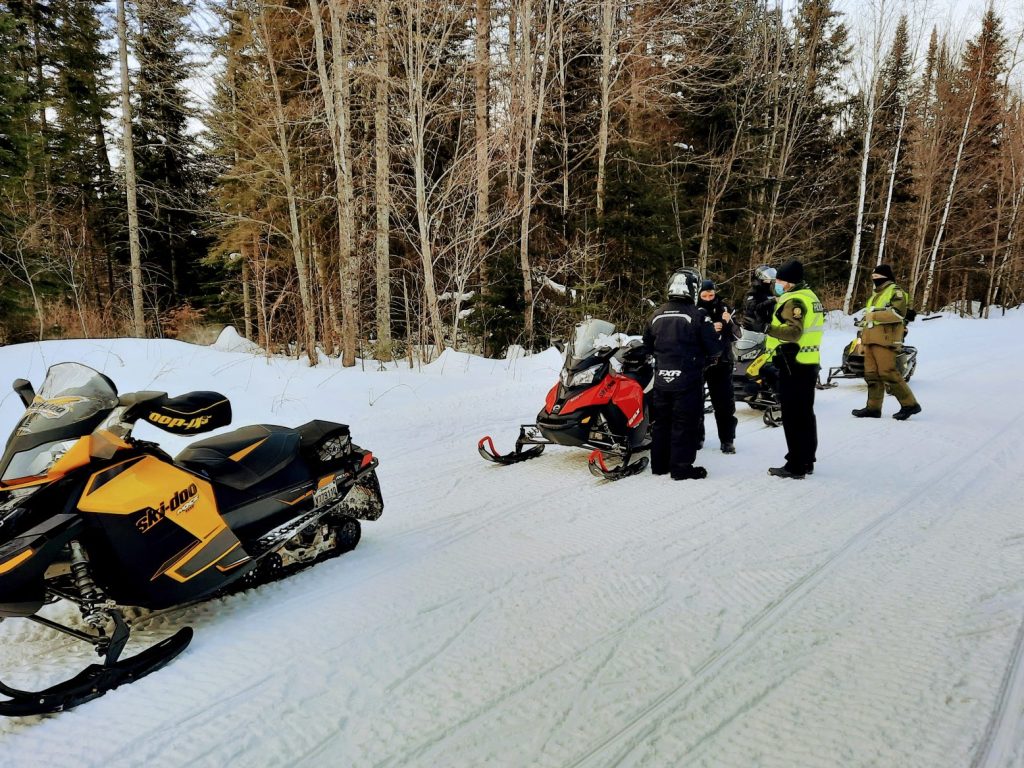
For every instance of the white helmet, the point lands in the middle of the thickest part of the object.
(683, 283)
(764, 273)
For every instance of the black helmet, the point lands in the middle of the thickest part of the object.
(683, 283)
(764, 274)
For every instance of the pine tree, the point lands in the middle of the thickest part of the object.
(167, 156)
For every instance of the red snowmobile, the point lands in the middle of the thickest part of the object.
(598, 403)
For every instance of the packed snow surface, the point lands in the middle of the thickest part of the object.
(870, 615)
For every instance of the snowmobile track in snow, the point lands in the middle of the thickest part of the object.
(1002, 732)
(645, 722)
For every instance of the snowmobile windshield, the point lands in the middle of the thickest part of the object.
(72, 402)
(585, 340)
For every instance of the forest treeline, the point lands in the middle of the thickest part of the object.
(365, 178)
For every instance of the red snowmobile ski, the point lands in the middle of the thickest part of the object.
(598, 403)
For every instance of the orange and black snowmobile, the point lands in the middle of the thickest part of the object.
(91, 515)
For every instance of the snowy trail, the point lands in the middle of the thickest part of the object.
(531, 615)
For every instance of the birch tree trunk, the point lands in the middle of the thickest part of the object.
(1011, 236)
(416, 71)
(308, 312)
(607, 27)
(892, 186)
(382, 189)
(346, 217)
(483, 183)
(533, 111)
(930, 280)
(134, 247)
(862, 187)
(246, 293)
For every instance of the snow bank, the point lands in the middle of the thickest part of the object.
(231, 341)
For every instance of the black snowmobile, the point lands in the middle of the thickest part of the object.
(91, 515)
(753, 377)
(598, 403)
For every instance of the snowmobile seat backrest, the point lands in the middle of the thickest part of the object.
(312, 433)
(244, 457)
(188, 414)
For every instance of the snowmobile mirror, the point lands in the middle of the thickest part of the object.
(25, 391)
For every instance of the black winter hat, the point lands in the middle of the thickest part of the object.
(707, 284)
(885, 270)
(790, 272)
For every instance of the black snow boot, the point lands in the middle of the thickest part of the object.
(690, 473)
(787, 471)
(906, 412)
(870, 413)
(728, 447)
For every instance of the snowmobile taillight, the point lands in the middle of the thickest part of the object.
(13, 562)
(366, 460)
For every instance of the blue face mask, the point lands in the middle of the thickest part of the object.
(778, 289)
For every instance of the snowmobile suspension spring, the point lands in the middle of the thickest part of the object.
(80, 572)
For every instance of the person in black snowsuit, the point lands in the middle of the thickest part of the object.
(683, 340)
(759, 303)
(758, 308)
(719, 374)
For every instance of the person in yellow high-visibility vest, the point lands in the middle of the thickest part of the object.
(882, 330)
(794, 341)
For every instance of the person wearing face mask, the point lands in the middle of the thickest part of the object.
(718, 375)
(794, 340)
(760, 300)
(882, 330)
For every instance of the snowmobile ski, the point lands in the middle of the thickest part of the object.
(772, 416)
(487, 450)
(598, 467)
(93, 681)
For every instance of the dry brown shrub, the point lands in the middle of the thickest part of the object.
(182, 322)
(831, 295)
(63, 320)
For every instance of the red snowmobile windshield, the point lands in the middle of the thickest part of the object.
(71, 402)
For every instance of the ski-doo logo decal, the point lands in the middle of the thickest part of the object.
(180, 502)
(178, 423)
(55, 408)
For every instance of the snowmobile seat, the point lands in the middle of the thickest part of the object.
(244, 457)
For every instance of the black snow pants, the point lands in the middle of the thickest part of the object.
(797, 383)
(723, 400)
(676, 418)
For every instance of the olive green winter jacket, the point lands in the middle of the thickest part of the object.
(884, 317)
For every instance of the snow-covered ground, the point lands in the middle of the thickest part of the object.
(870, 615)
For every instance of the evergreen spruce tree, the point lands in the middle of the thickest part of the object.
(167, 156)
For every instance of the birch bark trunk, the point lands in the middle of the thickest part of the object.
(134, 247)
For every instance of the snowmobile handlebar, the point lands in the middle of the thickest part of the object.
(189, 414)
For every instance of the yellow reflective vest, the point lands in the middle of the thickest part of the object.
(814, 326)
